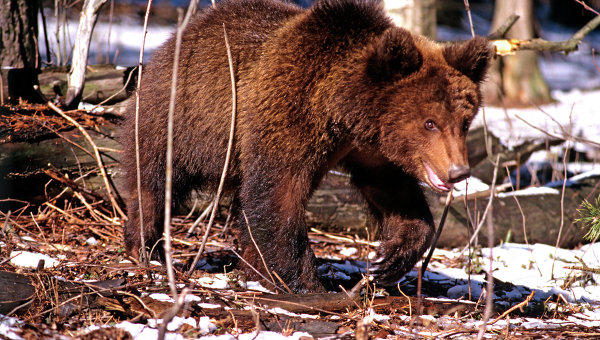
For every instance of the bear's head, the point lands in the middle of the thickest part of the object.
(427, 96)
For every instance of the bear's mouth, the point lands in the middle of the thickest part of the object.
(435, 182)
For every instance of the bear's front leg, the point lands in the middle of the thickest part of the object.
(399, 211)
(272, 229)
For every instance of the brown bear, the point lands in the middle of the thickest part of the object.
(337, 84)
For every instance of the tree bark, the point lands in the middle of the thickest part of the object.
(516, 80)
(87, 21)
(18, 27)
(417, 16)
(19, 56)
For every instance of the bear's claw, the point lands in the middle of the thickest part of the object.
(390, 266)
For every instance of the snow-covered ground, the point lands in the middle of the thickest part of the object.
(574, 115)
(556, 275)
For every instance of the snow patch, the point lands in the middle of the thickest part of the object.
(28, 259)
(9, 326)
(260, 336)
(530, 191)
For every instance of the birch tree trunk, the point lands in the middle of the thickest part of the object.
(417, 16)
(87, 21)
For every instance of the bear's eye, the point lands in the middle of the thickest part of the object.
(466, 124)
(430, 125)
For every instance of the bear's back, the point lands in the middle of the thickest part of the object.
(203, 103)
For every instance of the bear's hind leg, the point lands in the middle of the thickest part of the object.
(152, 211)
(272, 229)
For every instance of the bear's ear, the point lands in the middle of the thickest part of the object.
(470, 58)
(392, 56)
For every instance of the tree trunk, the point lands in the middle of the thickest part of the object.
(417, 16)
(87, 21)
(18, 24)
(19, 56)
(516, 80)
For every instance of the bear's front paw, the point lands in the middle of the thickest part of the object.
(391, 263)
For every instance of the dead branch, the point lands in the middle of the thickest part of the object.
(257, 248)
(171, 313)
(487, 208)
(510, 46)
(585, 269)
(169, 157)
(502, 30)
(587, 7)
(329, 303)
(215, 204)
(199, 219)
(437, 233)
(489, 290)
(520, 305)
(567, 136)
(114, 203)
(468, 9)
(143, 252)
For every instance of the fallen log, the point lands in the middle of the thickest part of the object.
(103, 83)
(16, 291)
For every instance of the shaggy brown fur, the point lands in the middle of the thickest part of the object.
(335, 84)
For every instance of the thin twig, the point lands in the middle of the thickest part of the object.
(489, 204)
(282, 282)
(77, 220)
(562, 201)
(189, 215)
(256, 246)
(587, 7)
(568, 136)
(6, 220)
(227, 155)
(524, 223)
(55, 131)
(511, 309)
(124, 86)
(171, 313)
(199, 219)
(467, 7)
(169, 156)
(110, 21)
(143, 252)
(97, 156)
(489, 290)
(169, 161)
(254, 269)
(437, 233)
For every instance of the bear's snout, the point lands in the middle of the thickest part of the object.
(458, 173)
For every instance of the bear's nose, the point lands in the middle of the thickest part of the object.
(458, 172)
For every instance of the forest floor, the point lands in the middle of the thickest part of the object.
(87, 288)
